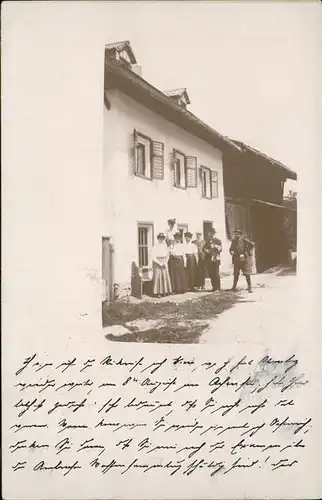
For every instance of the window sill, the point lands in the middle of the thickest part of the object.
(180, 187)
(206, 197)
(143, 177)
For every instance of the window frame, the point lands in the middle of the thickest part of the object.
(146, 142)
(184, 158)
(150, 227)
(203, 192)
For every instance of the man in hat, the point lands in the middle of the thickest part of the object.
(212, 249)
(241, 252)
(201, 265)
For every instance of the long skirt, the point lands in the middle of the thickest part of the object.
(177, 274)
(191, 271)
(201, 273)
(161, 280)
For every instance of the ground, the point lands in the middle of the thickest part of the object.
(195, 317)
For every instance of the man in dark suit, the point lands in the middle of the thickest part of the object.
(212, 249)
(241, 252)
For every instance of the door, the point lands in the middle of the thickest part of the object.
(107, 270)
(207, 227)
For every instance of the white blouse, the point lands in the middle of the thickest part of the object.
(178, 250)
(191, 248)
(160, 253)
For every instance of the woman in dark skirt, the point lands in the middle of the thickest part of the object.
(191, 252)
(177, 264)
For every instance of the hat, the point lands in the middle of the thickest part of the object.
(237, 231)
(188, 235)
(212, 231)
(198, 233)
(161, 236)
(177, 235)
(171, 221)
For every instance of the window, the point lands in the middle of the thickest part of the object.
(145, 242)
(209, 183)
(148, 161)
(142, 156)
(182, 228)
(125, 56)
(180, 171)
(206, 182)
(141, 160)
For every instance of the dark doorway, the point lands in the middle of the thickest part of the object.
(267, 223)
(207, 227)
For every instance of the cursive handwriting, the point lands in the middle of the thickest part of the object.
(167, 416)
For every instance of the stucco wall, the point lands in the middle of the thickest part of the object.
(129, 199)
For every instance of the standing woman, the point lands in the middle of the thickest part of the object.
(191, 251)
(177, 263)
(160, 257)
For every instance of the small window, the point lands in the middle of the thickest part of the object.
(143, 156)
(145, 242)
(141, 160)
(180, 170)
(206, 182)
(182, 228)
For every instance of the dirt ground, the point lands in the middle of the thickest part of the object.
(179, 319)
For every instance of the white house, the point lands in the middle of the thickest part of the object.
(160, 161)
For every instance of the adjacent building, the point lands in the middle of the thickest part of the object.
(254, 199)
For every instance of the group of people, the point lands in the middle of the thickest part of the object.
(181, 266)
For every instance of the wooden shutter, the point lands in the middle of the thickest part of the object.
(157, 160)
(214, 184)
(191, 171)
(172, 167)
(133, 152)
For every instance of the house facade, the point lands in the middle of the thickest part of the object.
(160, 162)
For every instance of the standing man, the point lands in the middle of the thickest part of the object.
(201, 266)
(213, 249)
(241, 252)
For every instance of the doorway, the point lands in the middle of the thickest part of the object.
(107, 270)
(207, 227)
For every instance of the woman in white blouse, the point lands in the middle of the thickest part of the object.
(191, 252)
(160, 257)
(177, 265)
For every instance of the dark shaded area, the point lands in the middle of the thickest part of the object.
(180, 318)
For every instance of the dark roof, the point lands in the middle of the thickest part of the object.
(291, 174)
(118, 75)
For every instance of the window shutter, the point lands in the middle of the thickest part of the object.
(157, 160)
(214, 184)
(191, 167)
(200, 181)
(133, 167)
(172, 169)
